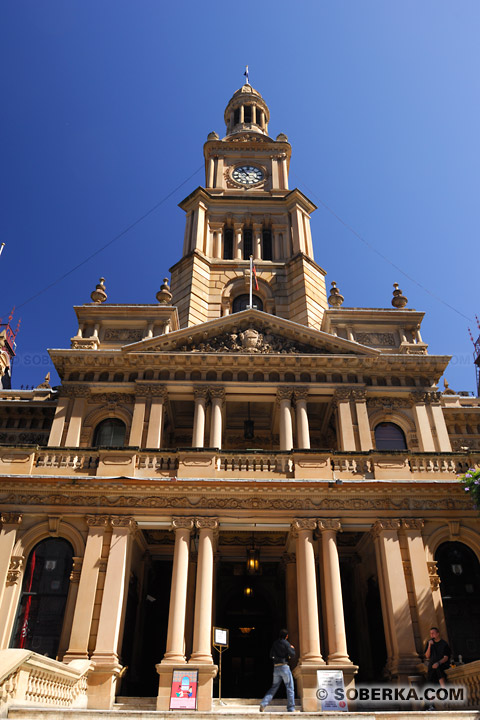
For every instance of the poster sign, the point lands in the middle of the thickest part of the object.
(328, 681)
(220, 637)
(183, 694)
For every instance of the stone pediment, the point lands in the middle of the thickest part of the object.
(251, 332)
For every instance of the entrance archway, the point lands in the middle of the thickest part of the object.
(253, 618)
(459, 572)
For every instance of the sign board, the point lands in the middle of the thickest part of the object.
(328, 681)
(183, 693)
(220, 637)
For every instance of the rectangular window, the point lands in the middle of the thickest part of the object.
(247, 113)
(247, 244)
(267, 245)
(228, 244)
(236, 116)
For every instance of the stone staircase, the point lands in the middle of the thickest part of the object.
(129, 708)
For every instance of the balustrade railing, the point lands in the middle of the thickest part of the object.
(469, 676)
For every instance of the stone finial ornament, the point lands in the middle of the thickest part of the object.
(447, 389)
(398, 301)
(281, 137)
(45, 384)
(335, 299)
(164, 296)
(99, 295)
(212, 135)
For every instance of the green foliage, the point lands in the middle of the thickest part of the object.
(471, 485)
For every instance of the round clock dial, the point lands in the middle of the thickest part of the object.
(247, 174)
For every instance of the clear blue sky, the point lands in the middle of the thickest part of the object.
(106, 105)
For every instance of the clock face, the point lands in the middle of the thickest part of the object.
(247, 174)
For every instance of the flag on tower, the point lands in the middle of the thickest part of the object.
(254, 271)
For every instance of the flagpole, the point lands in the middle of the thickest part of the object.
(1, 248)
(251, 282)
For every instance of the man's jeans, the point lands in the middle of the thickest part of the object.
(281, 672)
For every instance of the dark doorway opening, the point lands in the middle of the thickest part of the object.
(145, 634)
(252, 607)
(459, 572)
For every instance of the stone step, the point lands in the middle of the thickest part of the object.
(229, 713)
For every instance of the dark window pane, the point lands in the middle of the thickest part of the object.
(389, 436)
(267, 245)
(247, 114)
(242, 302)
(110, 433)
(247, 244)
(228, 244)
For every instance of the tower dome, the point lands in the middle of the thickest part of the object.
(247, 110)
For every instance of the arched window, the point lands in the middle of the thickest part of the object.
(389, 436)
(44, 594)
(242, 302)
(459, 572)
(110, 433)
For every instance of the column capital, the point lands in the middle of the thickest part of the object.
(10, 519)
(300, 524)
(284, 393)
(216, 391)
(238, 225)
(200, 392)
(359, 395)
(300, 393)
(123, 521)
(384, 525)
(330, 524)
(97, 520)
(154, 391)
(182, 523)
(206, 523)
(342, 394)
(289, 558)
(76, 391)
(412, 523)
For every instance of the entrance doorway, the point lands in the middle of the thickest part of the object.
(252, 607)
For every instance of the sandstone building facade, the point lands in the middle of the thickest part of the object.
(211, 460)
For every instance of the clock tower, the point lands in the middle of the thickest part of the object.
(246, 208)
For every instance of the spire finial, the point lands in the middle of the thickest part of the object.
(335, 298)
(399, 300)
(246, 74)
(164, 296)
(99, 295)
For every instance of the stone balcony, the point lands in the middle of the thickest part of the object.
(211, 463)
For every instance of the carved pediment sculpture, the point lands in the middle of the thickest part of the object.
(251, 341)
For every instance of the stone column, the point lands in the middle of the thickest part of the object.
(422, 422)
(257, 241)
(341, 399)
(103, 680)
(291, 599)
(238, 240)
(56, 431)
(397, 620)
(188, 232)
(9, 523)
(303, 430)
(175, 652)
(284, 400)
(217, 397)
(200, 394)
(76, 417)
(427, 616)
(87, 589)
(307, 591)
(337, 638)
(155, 423)
(285, 172)
(365, 435)
(443, 438)
(202, 630)
(136, 431)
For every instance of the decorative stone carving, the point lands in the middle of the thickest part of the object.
(200, 391)
(284, 392)
(330, 524)
(164, 296)
(123, 334)
(398, 301)
(335, 299)
(15, 568)
(251, 341)
(10, 519)
(83, 344)
(76, 569)
(428, 397)
(454, 527)
(433, 575)
(97, 520)
(289, 558)
(112, 398)
(123, 521)
(182, 523)
(389, 403)
(376, 339)
(384, 525)
(207, 523)
(342, 394)
(413, 523)
(300, 393)
(359, 395)
(300, 524)
(45, 385)
(53, 524)
(75, 390)
(217, 392)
